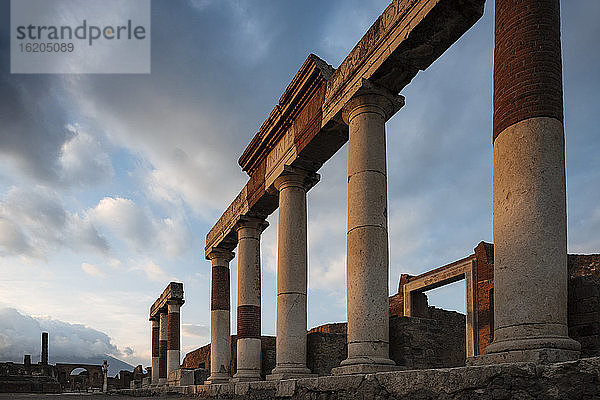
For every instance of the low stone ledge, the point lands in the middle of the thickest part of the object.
(568, 380)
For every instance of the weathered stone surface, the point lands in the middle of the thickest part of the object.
(564, 381)
(173, 292)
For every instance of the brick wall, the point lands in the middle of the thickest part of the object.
(584, 302)
(434, 342)
(200, 358)
(583, 305)
(338, 327)
(326, 350)
(484, 297)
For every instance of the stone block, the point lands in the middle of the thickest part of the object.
(285, 388)
(241, 388)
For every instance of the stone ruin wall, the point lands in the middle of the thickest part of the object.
(436, 340)
(583, 305)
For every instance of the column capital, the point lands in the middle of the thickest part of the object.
(258, 223)
(220, 253)
(296, 177)
(372, 98)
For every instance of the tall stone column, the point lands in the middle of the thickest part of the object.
(162, 347)
(529, 196)
(248, 309)
(292, 270)
(44, 357)
(367, 240)
(155, 348)
(173, 336)
(220, 330)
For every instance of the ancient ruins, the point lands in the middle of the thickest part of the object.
(522, 301)
(44, 377)
(166, 333)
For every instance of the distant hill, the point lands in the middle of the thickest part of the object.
(114, 364)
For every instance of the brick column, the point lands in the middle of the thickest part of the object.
(162, 347)
(155, 348)
(292, 271)
(529, 200)
(367, 239)
(220, 330)
(173, 336)
(248, 310)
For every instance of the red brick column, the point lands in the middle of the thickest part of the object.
(527, 62)
(248, 345)
(529, 199)
(220, 328)
(155, 349)
(173, 336)
(162, 347)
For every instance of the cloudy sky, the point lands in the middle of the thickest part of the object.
(109, 183)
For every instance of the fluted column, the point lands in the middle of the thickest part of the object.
(292, 270)
(248, 309)
(162, 347)
(220, 329)
(173, 336)
(529, 199)
(367, 238)
(155, 348)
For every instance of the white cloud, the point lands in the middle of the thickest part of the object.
(92, 270)
(153, 271)
(139, 228)
(33, 222)
(82, 159)
(21, 334)
(195, 330)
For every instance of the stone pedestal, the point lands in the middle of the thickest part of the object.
(248, 310)
(529, 199)
(292, 270)
(162, 347)
(367, 240)
(155, 349)
(220, 330)
(174, 337)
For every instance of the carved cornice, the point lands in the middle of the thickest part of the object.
(313, 72)
(173, 293)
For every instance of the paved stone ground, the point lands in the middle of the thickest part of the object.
(73, 396)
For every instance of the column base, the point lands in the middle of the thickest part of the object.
(218, 378)
(295, 372)
(536, 356)
(162, 381)
(365, 365)
(246, 376)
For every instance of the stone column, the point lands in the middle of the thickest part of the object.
(105, 376)
(44, 358)
(248, 310)
(173, 336)
(529, 196)
(220, 330)
(162, 347)
(367, 240)
(155, 348)
(292, 270)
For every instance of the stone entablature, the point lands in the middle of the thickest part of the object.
(172, 293)
(305, 128)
